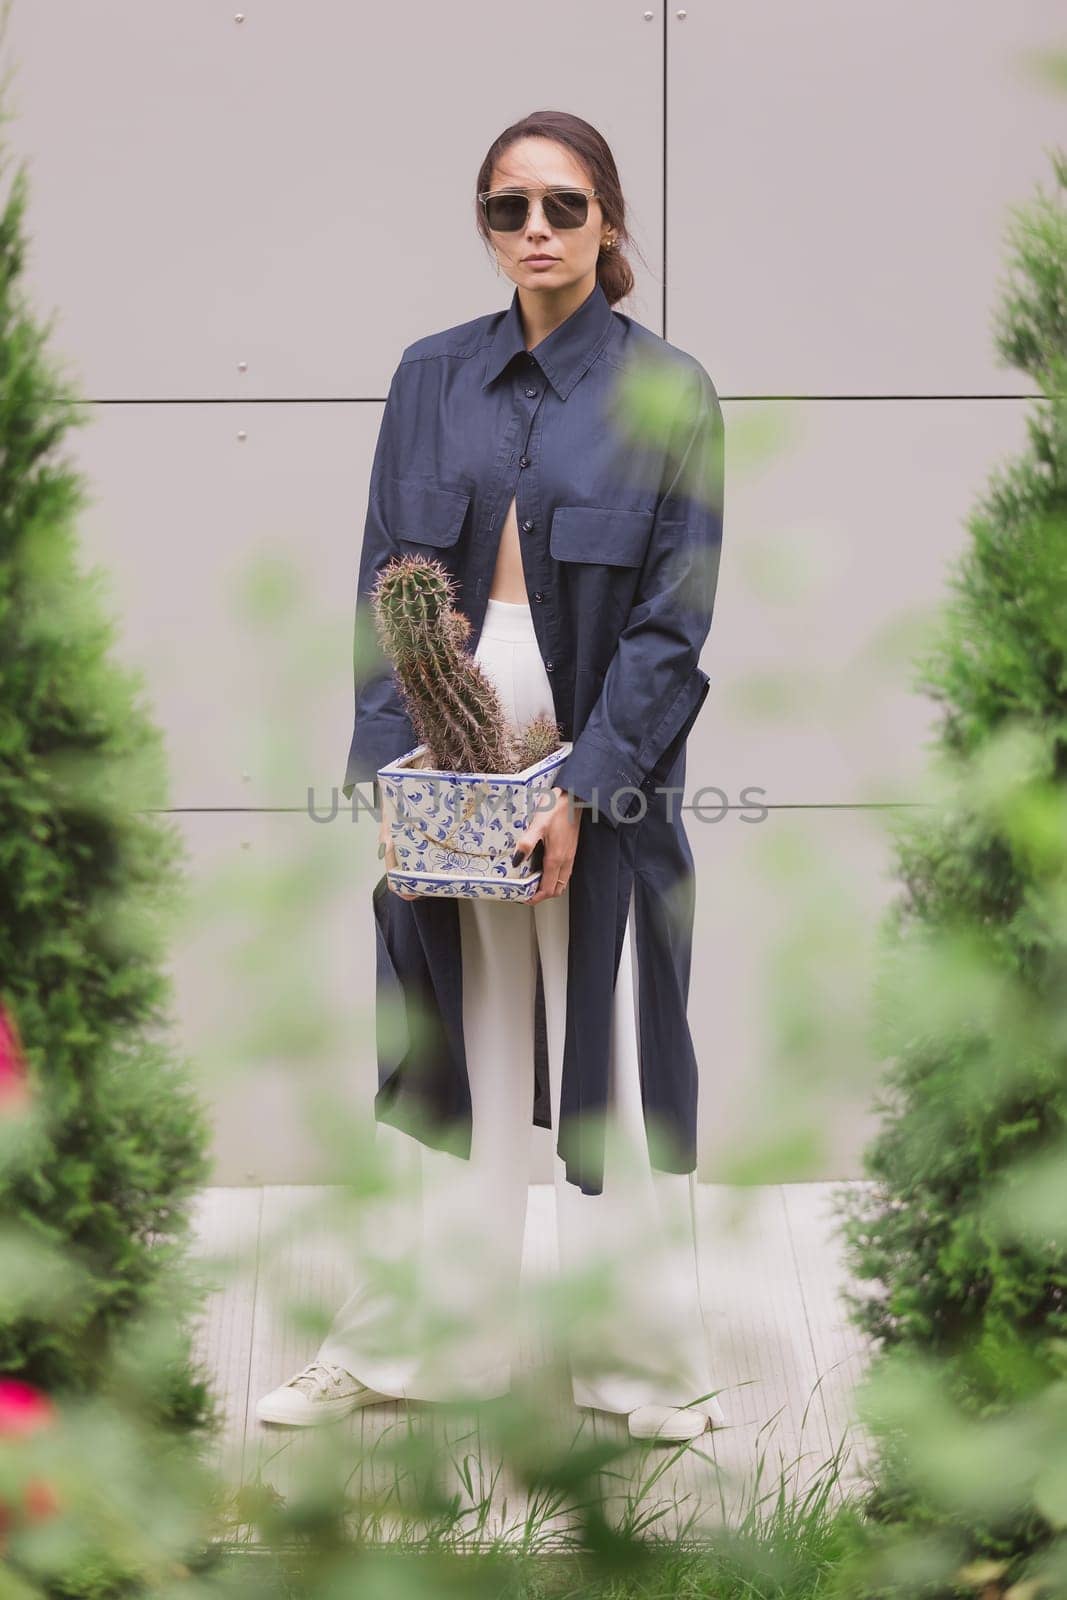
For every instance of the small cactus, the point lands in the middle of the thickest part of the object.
(537, 739)
(452, 703)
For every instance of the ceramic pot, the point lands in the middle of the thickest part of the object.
(455, 832)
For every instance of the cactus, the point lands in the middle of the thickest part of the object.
(537, 739)
(452, 703)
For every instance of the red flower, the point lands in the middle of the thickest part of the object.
(23, 1409)
(40, 1500)
(14, 1089)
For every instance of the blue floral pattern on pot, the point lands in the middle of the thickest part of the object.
(455, 832)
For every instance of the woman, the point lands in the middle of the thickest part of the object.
(586, 557)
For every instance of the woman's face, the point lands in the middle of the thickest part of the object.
(537, 164)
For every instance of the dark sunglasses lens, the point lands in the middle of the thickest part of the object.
(565, 208)
(506, 213)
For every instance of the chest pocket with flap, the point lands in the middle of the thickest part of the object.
(600, 535)
(420, 512)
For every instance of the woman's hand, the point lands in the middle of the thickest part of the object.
(385, 837)
(558, 825)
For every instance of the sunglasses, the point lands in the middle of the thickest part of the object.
(506, 210)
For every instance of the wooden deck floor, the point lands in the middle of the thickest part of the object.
(782, 1349)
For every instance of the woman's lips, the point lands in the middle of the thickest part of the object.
(540, 261)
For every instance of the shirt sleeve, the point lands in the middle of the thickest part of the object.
(381, 727)
(654, 686)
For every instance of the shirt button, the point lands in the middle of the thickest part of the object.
(527, 527)
(550, 666)
(531, 393)
(538, 596)
(524, 461)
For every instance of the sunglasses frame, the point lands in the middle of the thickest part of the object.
(552, 188)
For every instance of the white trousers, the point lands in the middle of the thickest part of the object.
(434, 1314)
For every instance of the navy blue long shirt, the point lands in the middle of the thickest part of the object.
(620, 532)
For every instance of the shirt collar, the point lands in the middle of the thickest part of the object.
(565, 353)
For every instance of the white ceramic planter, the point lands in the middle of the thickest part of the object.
(455, 832)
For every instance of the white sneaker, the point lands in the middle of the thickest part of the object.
(318, 1393)
(667, 1423)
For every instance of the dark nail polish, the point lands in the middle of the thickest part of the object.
(516, 858)
(381, 849)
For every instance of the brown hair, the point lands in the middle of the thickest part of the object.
(613, 270)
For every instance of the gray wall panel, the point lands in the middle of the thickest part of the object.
(295, 191)
(839, 541)
(839, 181)
(273, 975)
(185, 513)
(787, 914)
